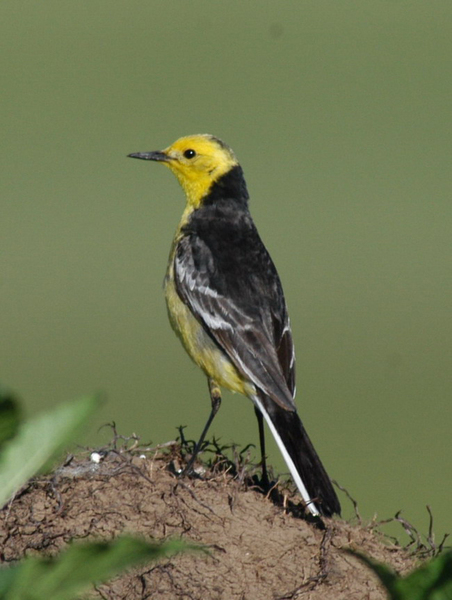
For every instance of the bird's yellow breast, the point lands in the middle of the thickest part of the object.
(200, 346)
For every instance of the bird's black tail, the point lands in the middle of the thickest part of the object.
(301, 458)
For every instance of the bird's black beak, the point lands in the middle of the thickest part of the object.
(157, 155)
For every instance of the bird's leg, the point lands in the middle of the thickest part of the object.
(215, 398)
(260, 422)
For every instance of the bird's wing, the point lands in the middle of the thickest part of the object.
(255, 335)
(286, 356)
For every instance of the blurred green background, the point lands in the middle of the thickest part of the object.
(340, 114)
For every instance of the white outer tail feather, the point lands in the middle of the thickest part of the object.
(289, 462)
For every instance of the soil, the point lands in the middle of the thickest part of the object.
(261, 546)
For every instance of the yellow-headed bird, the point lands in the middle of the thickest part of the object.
(226, 304)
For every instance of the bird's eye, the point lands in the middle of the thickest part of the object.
(189, 153)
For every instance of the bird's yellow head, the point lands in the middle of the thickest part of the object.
(198, 161)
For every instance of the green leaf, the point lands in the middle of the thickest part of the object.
(9, 416)
(7, 577)
(38, 441)
(69, 574)
(431, 581)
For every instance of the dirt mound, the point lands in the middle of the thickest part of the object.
(259, 549)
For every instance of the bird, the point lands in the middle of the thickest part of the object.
(226, 303)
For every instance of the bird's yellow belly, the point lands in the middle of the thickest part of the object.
(200, 347)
